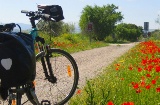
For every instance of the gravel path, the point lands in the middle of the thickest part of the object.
(92, 62)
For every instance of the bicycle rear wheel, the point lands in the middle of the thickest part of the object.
(65, 70)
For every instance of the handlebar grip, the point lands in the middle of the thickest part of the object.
(24, 11)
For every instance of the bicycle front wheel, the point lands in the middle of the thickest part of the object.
(66, 73)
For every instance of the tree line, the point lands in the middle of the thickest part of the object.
(106, 20)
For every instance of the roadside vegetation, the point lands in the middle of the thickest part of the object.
(106, 28)
(133, 79)
(73, 42)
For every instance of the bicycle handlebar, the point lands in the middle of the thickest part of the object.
(24, 11)
(37, 15)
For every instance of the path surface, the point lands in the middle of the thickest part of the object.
(92, 62)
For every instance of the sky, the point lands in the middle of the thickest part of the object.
(134, 11)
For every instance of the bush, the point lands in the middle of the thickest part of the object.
(129, 32)
(109, 39)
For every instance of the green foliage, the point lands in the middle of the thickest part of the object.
(129, 32)
(155, 35)
(109, 39)
(56, 28)
(72, 42)
(103, 18)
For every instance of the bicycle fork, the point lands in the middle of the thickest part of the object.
(48, 73)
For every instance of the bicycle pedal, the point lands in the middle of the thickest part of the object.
(45, 102)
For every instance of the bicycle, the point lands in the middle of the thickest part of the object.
(56, 72)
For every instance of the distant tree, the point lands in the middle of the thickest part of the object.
(128, 32)
(158, 20)
(103, 18)
(57, 28)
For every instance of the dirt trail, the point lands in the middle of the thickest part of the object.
(92, 62)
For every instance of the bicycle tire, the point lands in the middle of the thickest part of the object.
(67, 81)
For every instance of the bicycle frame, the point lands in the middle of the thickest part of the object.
(44, 52)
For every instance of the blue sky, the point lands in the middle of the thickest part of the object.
(134, 11)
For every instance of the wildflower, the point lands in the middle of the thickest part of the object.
(153, 82)
(157, 68)
(143, 84)
(148, 86)
(158, 89)
(148, 75)
(136, 86)
(130, 67)
(110, 103)
(150, 67)
(144, 61)
(128, 103)
(132, 83)
(122, 78)
(117, 64)
(139, 69)
(79, 91)
(117, 68)
(138, 91)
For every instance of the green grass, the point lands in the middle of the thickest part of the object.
(129, 79)
(73, 42)
(118, 82)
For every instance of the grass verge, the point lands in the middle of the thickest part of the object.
(133, 79)
(73, 42)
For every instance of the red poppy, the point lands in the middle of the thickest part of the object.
(150, 67)
(128, 103)
(117, 68)
(143, 84)
(153, 82)
(138, 91)
(110, 103)
(148, 75)
(158, 89)
(136, 86)
(117, 64)
(130, 67)
(157, 68)
(139, 69)
(78, 91)
(144, 61)
(148, 86)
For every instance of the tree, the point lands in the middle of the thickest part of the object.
(128, 32)
(103, 18)
(57, 28)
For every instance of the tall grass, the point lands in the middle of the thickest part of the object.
(133, 79)
(72, 42)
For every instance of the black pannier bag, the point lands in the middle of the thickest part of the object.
(17, 60)
(55, 11)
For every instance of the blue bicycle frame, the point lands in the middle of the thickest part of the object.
(34, 33)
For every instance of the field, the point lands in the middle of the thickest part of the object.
(133, 79)
(73, 42)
